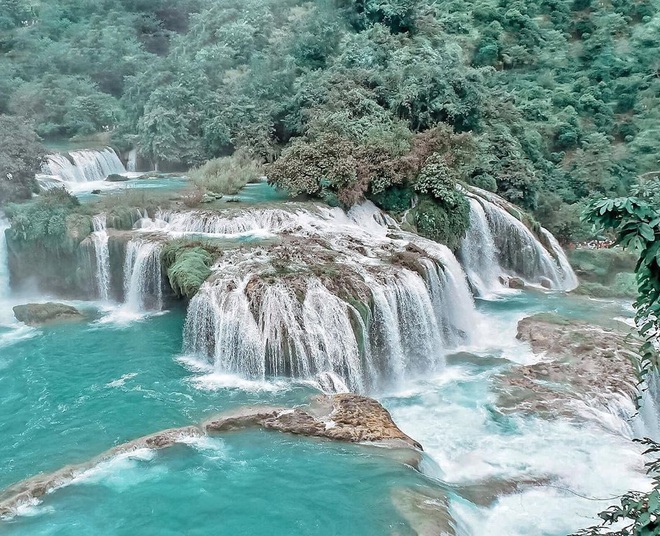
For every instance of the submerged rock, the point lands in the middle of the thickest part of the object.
(341, 417)
(426, 510)
(344, 417)
(32, 489)
(35, 314)
(583, 362)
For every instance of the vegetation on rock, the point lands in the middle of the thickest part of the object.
(188, 265)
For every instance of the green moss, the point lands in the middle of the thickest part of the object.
(188, 266)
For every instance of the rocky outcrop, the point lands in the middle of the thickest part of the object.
(341, 417)
(36, 314)
(582, 362)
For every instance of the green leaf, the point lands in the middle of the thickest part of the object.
(647, 232)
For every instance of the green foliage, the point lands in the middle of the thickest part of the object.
(188, 265)
(21, 155)
(51, 222)
(227, 175)
(559, 98)
(394, 199)
(438, 220)
(636, 224)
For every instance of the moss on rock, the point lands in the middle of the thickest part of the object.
(188, 265)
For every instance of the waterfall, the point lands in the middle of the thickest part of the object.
(4, 260)
(351, 304)
(498, 244)
(479, 255)
(102, 254)
(131, 165)
(143, 285)
(81, 166)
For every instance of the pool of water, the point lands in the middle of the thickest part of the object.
(71, 392)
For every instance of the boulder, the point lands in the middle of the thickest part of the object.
(35, 314)
(341, 417)
(116, 178)
(516, 282)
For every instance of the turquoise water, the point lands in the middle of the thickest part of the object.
(71, 392)
(248, 483)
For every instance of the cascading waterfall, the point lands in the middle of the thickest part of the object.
(375, 323)
(131, 164)
(501, 245)
(143, 286)
(478, 253)
(102, 256)
(82, 166)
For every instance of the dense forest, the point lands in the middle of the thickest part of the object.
(547, 102)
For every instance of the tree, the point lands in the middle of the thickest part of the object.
(636, 223)
(21, 156)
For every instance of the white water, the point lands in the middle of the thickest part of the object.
(83, 166)
(479, 255)
(102, 255)
(131, 165)
(305, 325)
(498, 246)
(143, 286)
(567, 469)
(4, 261)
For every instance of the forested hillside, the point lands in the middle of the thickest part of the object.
(547, 102)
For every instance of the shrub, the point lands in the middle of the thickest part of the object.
(227, 175)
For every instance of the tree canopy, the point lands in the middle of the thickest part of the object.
(558, 98)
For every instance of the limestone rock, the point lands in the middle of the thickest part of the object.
(583, 362)
(341, 417)
(35, 314)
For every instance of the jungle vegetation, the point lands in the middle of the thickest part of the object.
(550, 103)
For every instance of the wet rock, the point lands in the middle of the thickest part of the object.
(96, 192)
(36, 314)
(116, 178)
(32, 489)
(515, 282)
(546, 283)
(341, 417)
(582, 362)
(426, 510)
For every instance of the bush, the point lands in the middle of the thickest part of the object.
(227, 175)
(436, 221)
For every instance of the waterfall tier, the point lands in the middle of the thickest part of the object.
(81, 166)
(307, 291)
(498, 245)
(143, 278)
